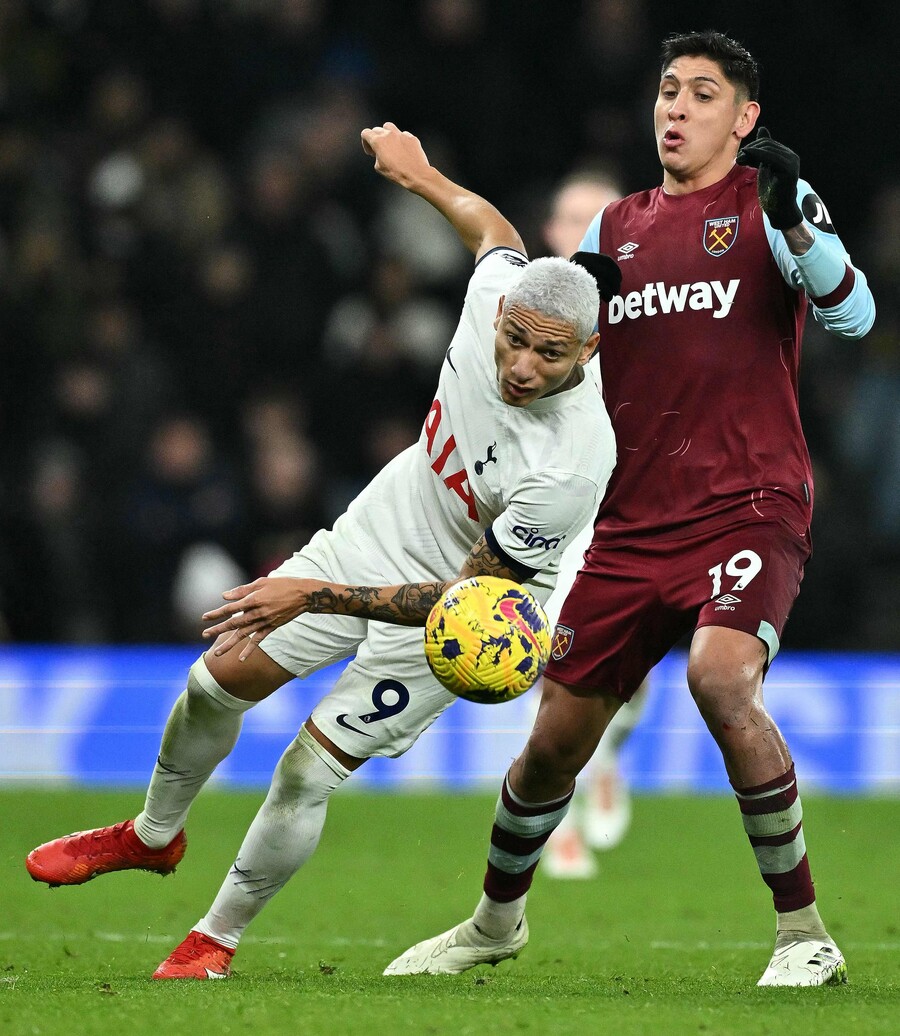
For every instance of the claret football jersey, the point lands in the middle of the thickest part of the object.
(533, 475)
(699, 355)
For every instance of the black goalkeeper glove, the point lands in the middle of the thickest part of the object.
(604, 269)
(779, 170)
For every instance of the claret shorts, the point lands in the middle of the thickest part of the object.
(633, 600)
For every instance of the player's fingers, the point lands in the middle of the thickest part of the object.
(224, 612)
(227, 645)
(252, 643)
(244, 591)
(229, 625)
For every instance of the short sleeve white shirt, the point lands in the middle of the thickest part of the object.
(533, 475)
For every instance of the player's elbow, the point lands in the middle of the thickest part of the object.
(852, 329)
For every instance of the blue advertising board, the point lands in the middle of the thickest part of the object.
(93, 716)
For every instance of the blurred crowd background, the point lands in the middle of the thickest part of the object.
(217, 322)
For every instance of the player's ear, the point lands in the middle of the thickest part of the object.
(589, 348)
(746, 120)
(499, 311)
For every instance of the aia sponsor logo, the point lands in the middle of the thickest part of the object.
(720, 234)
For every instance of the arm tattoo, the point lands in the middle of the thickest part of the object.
(411, 603)
(406, 605)
(484, 561)
(799, 239)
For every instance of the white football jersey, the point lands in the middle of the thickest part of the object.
(533, 475)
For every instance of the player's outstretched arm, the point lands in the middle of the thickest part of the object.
(399, 157)
(257, 608)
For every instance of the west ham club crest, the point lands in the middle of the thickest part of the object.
(720, 234)
(562, 641)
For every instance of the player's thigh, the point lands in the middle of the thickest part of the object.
(750, 578)
(311, 642)
(384, 698)
(614, 625)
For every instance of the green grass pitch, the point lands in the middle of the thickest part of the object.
(670, 939)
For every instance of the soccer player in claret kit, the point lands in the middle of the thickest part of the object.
(514, 457)
(705, 527)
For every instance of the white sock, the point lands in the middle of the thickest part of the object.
(202, 729)
(497, 920)
(283, 836)
(804, 923)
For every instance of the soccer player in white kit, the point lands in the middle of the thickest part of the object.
(513, 459)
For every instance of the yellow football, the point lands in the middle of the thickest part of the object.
(487, 639)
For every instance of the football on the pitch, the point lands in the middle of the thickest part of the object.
(487, 639)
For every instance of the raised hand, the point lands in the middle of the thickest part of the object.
(399, 155)
(779, 170)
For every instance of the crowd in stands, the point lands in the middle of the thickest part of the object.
(218, 322)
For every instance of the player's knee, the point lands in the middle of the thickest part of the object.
(204, 694)
(551, 758)
(306, 772)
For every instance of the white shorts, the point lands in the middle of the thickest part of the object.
(387, 695)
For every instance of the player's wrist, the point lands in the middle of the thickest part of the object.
(799, 239)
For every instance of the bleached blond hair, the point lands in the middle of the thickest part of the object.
(558, 289)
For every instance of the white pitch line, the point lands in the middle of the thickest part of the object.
(865, 947)
(134, 937)
(275, 940)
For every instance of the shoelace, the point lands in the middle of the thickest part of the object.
(190, 950)
(83, 843)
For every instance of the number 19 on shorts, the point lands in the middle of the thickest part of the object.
(743, 566)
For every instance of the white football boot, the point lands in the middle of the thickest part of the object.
(567, 856)
(607, 809)
(805, 962)
(457, 950)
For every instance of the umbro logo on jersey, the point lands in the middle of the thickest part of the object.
(489, 459)
(726, 603)
(720, 234)
(626, 250)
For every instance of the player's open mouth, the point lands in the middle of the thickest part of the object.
(518, 391)
(672, 138)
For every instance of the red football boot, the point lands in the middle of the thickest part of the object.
(75, 859)
(197, 957)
